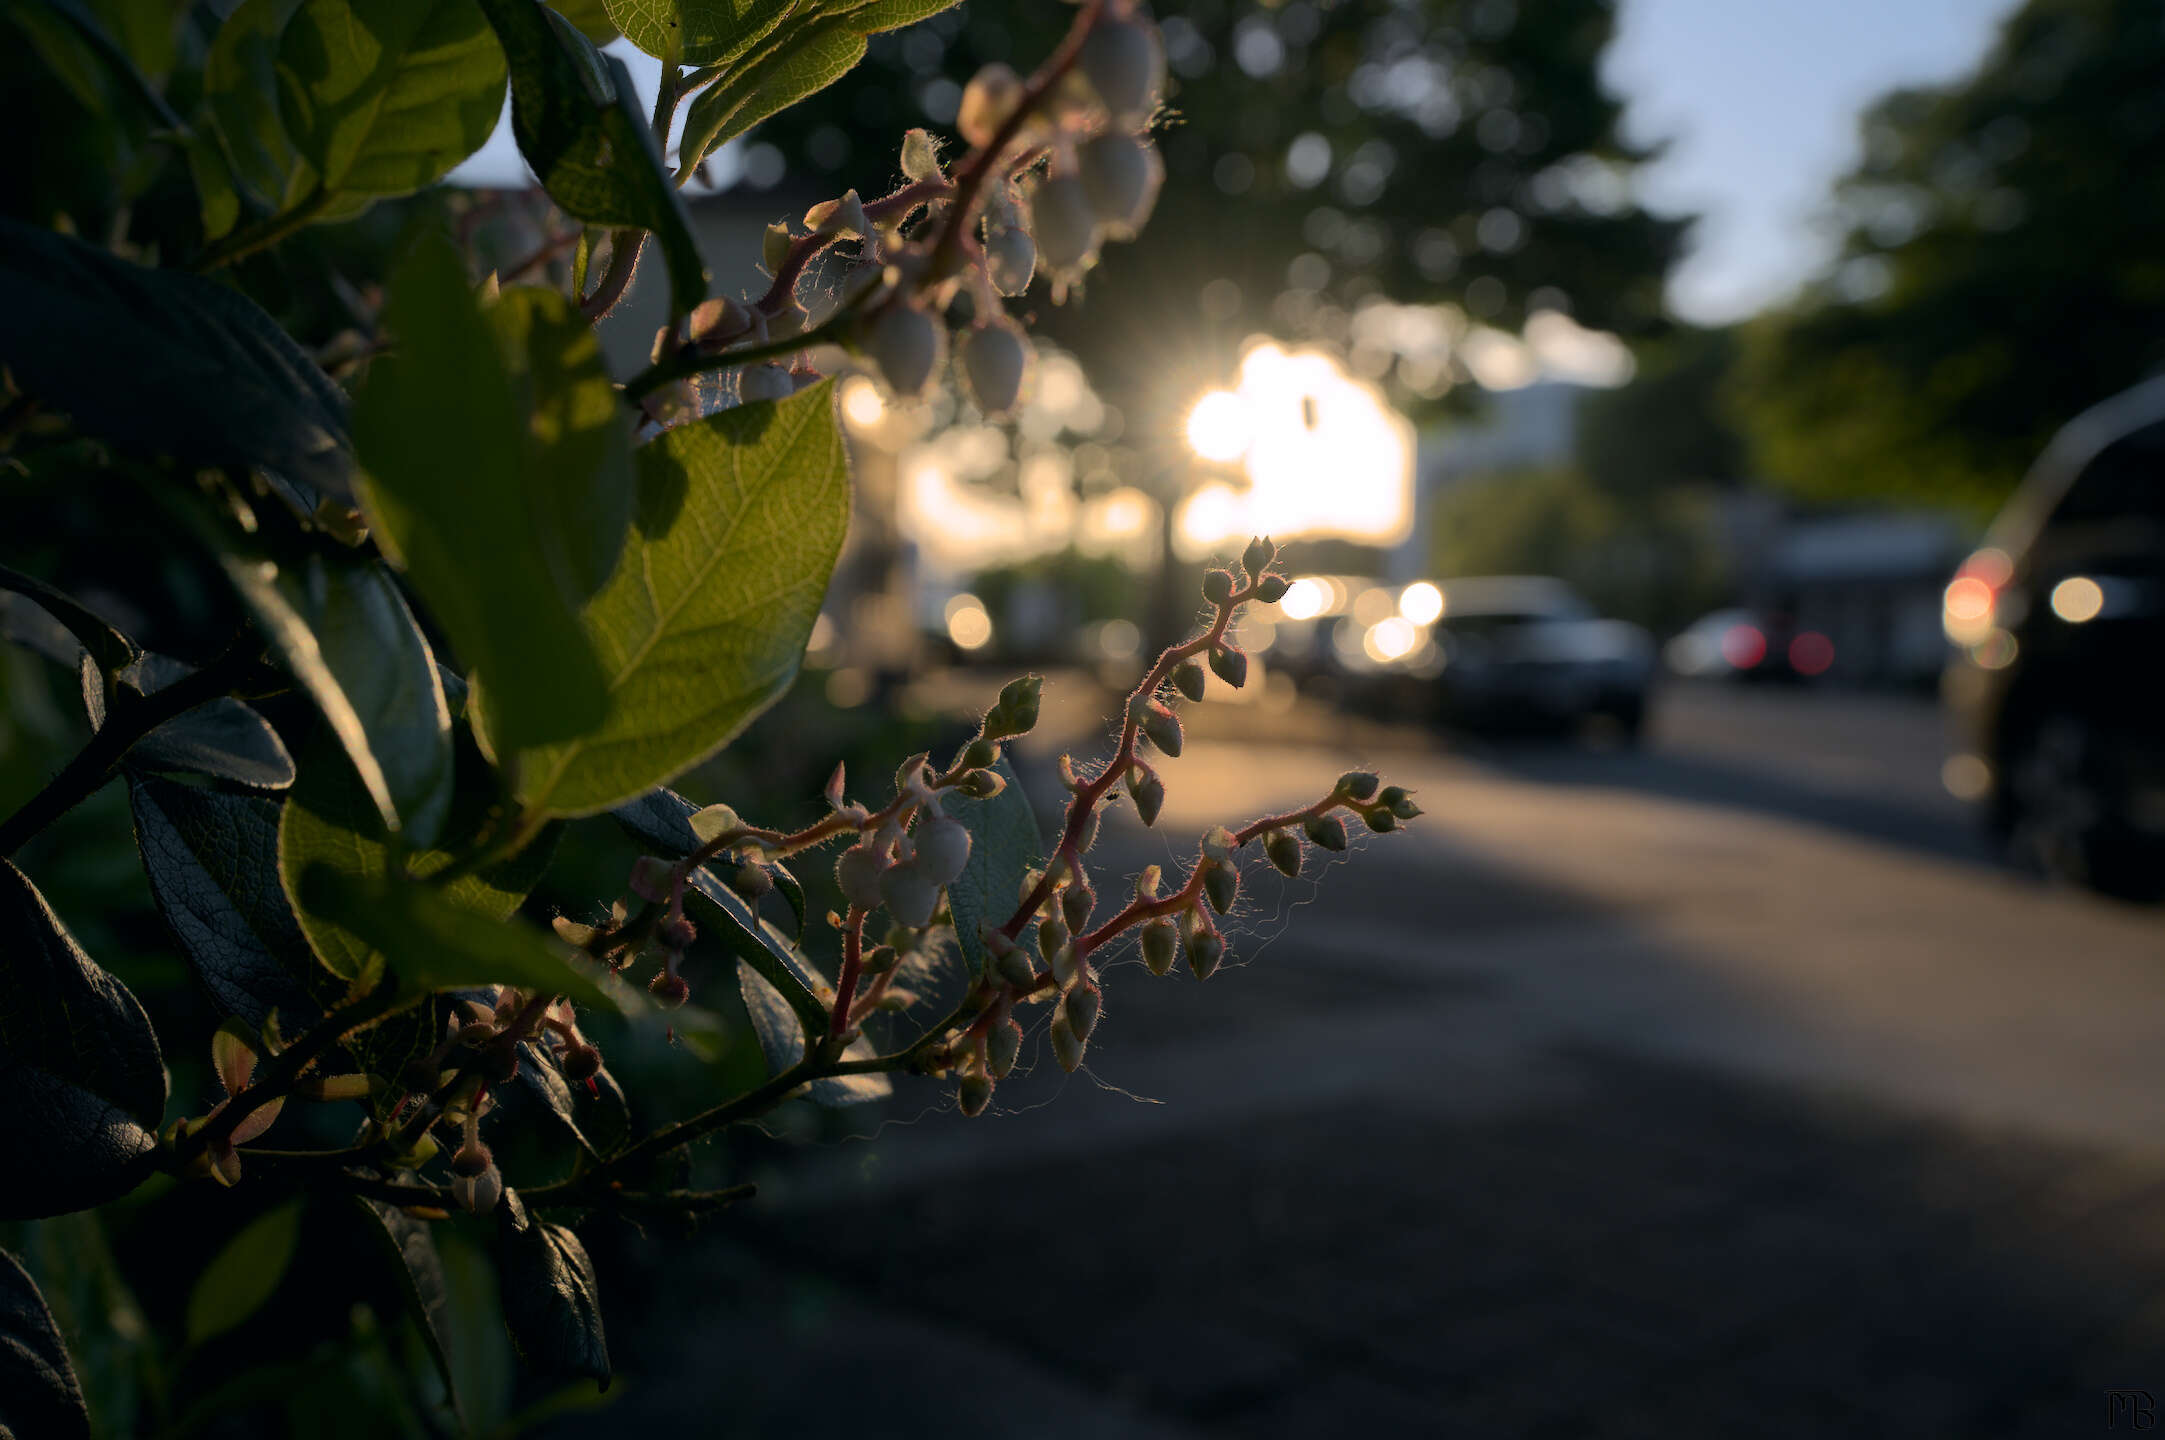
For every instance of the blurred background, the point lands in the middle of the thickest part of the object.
(1713, 447)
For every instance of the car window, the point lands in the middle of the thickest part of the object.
(2125, 480)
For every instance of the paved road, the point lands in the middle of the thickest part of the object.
(1720, 1088)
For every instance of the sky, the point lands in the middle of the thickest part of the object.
(1759, 100)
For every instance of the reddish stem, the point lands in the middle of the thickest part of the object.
(845, 985)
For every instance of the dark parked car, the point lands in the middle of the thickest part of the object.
(2056, 692)
(1528, 651)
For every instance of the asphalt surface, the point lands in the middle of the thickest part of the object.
(1720, 1086)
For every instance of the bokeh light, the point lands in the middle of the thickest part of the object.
(1218, 428)
(2078, 599)
(1421, 602)
(968, 623)
(1305, 599)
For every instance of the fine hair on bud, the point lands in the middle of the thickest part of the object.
(1284, 851)
(1206, 948)
(1230, 664)
(904, 343)
(1257, 557)
(858, 874)
(1003, 1043)
(1122, 174)
(1163, 728)
(1188, 679)
(1066, 965)
(1221, 885)
(1147, 791)
(1081, 1005)
(1124, 62)
(1076, 902)
(1161, 945)
(1271, 589)
(943, 848)
(974, 1092)
(1327, 831)
(979, 754)
(1065, 224)
(1067, 1046)
(910, 893)
(1051, 935)
(995, 362)
(1218, 586)
(1357, 785)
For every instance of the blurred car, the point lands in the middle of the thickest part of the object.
(1748, 645)
(2055, 694)
(1528, 651)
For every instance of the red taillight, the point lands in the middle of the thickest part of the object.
(1743, 646)
(1811, 653)
(1966, 611)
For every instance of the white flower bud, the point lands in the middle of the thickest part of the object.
(1080, 1006)
(905, 344)
(995, 358)
(1124, 61)
(1010, 258)
(1002, 1044)
(920, 156)
(1122, 174)
(1067, 1046)
(774, 249)
(943, 848)
(987, 101)
(756, 383)
(910, 893)
(1066, 965)
(839, 217)
(858, 874)
(1065, 224)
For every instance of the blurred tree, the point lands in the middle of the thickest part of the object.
(1651, 558)
(1671, 425)
(1316, 154)
(2002, 267)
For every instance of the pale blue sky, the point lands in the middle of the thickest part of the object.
(1760, 99)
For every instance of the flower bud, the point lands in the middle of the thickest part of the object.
(1065, 224)
(1089, 835)
(1231, 664)
(1163, 728)
(1398, 801)
(1380, 820)
(1161, 941)
(1219, 843)
(652, 878)
(1188, 679)
(751, 881)
(581, 1063)
(759, 383)
(981, 784)
(990, 97)
(838, 217)
(943, 848)
(1052, 933)
(1221, 885)
(1122, 174)
(974, 1093)
(995, 359)
(904, 342)
(1284, 851)
(1124, 61)
(980, 754)
(920, 155)
(1015, 712)
(774, 248)
(478, 1194)
(1357, 784)
(1067, 1046)
(1257, 557)
(471, 1158)
(880, 959)
(1003, 1043)
(1015, 968)
(1327, 831)
(572, 933)
(669, 991)
(858, 874)
(1066, 964)
(1076, 902)
(1218, 586)
(1271, 589)
(1205, 949)
(1081, 1005)
(1148, 792)
(720, 318)
(910, 893)
(677, 931)
(1010, 258)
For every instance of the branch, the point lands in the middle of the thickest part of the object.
(265, 233)
(276, 1078)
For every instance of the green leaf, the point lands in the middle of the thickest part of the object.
(79, 1065)
(814, 46)
(576, 458)
(105, 645)
(118, 62)
(420, 1270)
(210, 378)
(590, 16)
(212, 861)
(38, 1393)
(221, 738)
(701, 32)
(1005, 843)
(781, 1038)
(552, 1305)
(245, 1274)
(344, 631)
(704, 623)
(328, 825)
(240, 84)
(443, 434)
(386, 96)
(579, 125)
(218, 202)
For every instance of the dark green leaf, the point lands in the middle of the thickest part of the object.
(703, 625)
(552, 1305)
(590, 16)
(792, 890)
(598, 1118)
(1005, 843)
(212, 861)
(211, 379)
(79, 1065)
(580, 126)
(444, 406)
(386, 96)
(222, 738)
(781, 1038)
(699, 32)
(245, 1274)
(38, 1394)
(421, 1283)
(105, 645)
(576, 456)
(118, 62)
(240, 83)
(346, 634)
(817, 43)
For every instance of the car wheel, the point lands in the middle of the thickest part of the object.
(2069, 784)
